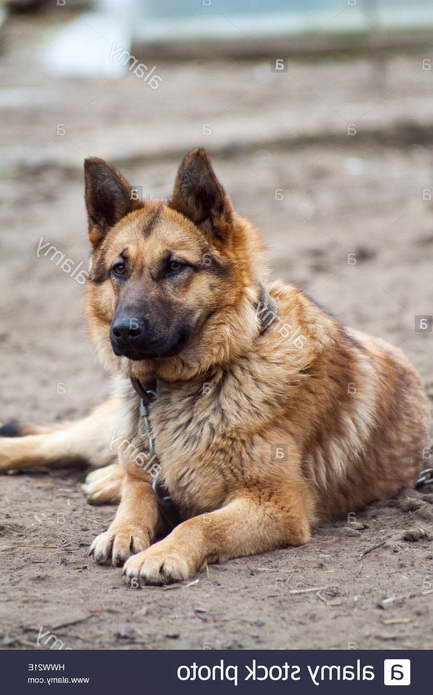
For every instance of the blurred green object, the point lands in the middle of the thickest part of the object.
(26, 5)
(22, 6)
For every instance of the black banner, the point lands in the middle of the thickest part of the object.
(162, 672)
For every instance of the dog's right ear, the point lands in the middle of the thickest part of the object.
(108, 196)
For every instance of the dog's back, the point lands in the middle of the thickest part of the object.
(362, 413)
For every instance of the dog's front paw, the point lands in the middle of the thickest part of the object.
(118, 543)
(160, 564)
(103, 485)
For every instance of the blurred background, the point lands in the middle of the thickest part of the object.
(319, 119)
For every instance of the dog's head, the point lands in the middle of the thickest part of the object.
(168, 279)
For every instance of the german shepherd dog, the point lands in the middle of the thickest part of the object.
(242, 404)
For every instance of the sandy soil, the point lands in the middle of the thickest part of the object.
(319, 207)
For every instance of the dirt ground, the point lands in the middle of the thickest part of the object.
(351, 223)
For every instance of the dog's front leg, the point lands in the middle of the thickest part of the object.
(134, 525)
(253, 522)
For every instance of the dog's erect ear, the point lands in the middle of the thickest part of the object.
(108, 195)
(199, 196)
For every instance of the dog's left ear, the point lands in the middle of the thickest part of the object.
(199, 196)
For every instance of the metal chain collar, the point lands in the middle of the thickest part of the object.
(147, 426)
(425, 477)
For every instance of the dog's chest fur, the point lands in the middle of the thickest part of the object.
(203, 430)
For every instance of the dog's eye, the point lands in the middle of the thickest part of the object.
(119, 269)
(174, 267)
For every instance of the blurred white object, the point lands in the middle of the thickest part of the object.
(354, 166)
(90, 45)
(98, 43)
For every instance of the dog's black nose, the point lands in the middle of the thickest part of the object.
(140, 338)
(129, 335)
(126, 328)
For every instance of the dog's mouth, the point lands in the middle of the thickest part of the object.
(148, 351)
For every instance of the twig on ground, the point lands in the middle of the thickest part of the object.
(194, 581)
(35, 547)
(308, 591)
(393, 599)
(25, 643)
(57, 626)
(373, 547)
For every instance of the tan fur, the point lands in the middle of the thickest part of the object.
(258, 436)
(87, 440)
